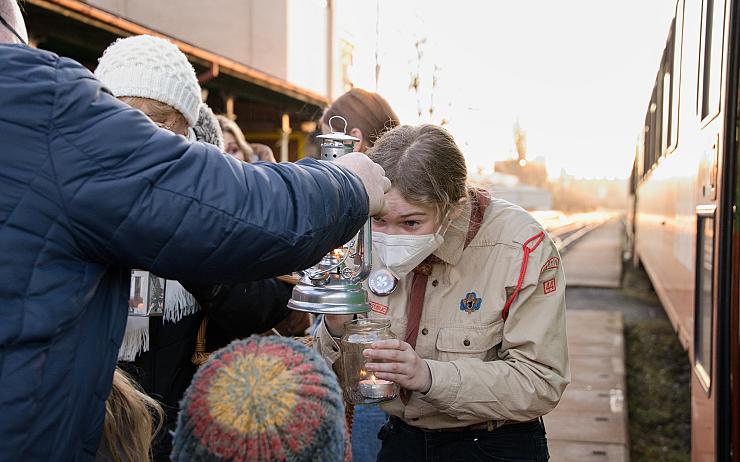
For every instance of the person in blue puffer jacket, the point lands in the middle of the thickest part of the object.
(90, 188)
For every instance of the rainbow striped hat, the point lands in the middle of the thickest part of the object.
(262, 399)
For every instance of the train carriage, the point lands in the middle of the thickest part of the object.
(684, 218)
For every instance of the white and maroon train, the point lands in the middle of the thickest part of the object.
(684, 215)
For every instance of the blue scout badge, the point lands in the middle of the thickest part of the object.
(470, 303)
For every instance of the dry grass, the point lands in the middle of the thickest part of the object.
(658, 393)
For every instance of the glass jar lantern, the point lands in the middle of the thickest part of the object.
(360, 385)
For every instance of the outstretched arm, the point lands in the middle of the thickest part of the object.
(139, 196)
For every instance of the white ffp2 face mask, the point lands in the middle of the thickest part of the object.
(401, 253)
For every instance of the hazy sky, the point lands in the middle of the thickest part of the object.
(576, 74)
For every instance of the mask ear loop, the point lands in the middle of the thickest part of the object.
(445, 225)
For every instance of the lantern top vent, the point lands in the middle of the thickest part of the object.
(338, 136)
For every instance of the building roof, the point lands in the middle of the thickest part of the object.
(228, 70)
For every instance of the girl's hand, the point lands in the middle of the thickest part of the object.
(335, 323)
(400, 364)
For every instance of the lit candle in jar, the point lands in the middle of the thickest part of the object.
(376, 388)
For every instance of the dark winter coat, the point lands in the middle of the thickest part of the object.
(89, 189)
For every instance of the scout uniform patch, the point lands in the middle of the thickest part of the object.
(470, 303)
(552, 263)
(548, 285)
(379, 308)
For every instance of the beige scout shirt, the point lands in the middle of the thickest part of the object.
(483, 368)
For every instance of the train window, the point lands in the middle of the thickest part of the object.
(677, 45)
(653, 132)
(710, 60)
(704, 295)
(667, 109)
(642, 166)
(666, 76)
(658, 120)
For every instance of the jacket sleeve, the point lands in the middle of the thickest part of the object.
(138, 196)
(327, 345)
(531, 371)
(246, 308)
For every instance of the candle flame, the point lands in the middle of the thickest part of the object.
(372, 378)
(337, 253)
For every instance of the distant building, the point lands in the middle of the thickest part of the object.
(509, 187)
(528, 173)
(268, 63)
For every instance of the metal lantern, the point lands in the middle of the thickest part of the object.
(146, 297)
(334, 285)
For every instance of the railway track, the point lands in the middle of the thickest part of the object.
(566, 230)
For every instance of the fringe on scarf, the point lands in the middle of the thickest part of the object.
(136, 338)
(178, 303)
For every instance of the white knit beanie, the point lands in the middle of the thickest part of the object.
(150, 67)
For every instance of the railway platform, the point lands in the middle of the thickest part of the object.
(590, 423)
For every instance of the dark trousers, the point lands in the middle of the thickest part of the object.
(523, 442)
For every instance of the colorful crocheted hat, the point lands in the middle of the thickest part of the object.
(262, 399)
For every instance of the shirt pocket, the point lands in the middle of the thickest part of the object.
(474, 341)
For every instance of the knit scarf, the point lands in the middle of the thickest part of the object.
(178, 302)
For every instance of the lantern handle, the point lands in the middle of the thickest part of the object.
(342, 119)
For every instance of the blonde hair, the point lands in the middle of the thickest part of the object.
(132, 419)
(228, 125)
(424, 164)
(155, 109)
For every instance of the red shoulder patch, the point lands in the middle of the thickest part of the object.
(379, 308)
(549, 286)
(552, 263)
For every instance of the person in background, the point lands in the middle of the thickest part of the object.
(262, 399)
(478, 308)
(368, 116)
(163, 352)
(90, 188)
(236, 145)
(132, 419)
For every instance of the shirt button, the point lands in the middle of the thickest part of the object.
(435, 283)
(424, 331)
(466, 342)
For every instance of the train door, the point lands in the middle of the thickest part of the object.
(710, 232)
(728, 333)
(727, 391)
